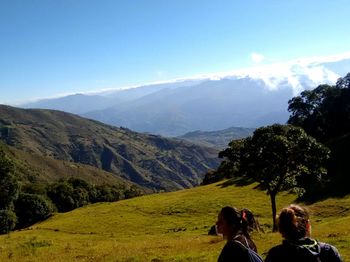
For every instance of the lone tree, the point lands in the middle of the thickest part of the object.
(279, 158)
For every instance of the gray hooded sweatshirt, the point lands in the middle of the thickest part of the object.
(303, 250)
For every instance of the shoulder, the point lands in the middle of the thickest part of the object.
(329, 252)
(277, 253)
(232, 251)
(233, 245)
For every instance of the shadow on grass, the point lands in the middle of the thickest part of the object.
(237, 181)
(322, 195)
(332, 191)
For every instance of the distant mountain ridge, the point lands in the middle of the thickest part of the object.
(217, 139)
(250, 97)
(147, 160)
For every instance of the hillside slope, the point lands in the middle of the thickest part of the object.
(164, 227)
(150, 161)
(33, 168)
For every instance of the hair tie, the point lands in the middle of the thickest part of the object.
(244, 216)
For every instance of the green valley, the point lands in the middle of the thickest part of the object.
(164, 227)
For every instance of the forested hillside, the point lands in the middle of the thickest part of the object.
(148, 160)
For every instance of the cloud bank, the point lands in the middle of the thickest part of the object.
(297, 73)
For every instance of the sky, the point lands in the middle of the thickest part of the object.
(50, 48)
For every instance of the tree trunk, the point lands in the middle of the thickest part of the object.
(273, 206)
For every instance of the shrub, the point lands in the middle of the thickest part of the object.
(9, 186)
(8, 221)
(61, 194)
(106, 193)
(32, 208)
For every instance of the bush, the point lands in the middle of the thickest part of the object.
(80, 197)
(8, 221)
(32, 208)
(74, 192)
(106, 193)
(34, 188)
(132, 191)
(61, 194)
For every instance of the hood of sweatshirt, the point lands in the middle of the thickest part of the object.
(306, 247)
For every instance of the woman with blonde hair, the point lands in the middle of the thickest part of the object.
(294, 226)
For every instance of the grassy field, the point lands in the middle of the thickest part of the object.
(164, 227)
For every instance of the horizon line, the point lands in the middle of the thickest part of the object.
(242, 72)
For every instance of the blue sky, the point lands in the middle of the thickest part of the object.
(50, 47)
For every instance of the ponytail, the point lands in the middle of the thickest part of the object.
(243, 220)
(292, 222)
(248, 222)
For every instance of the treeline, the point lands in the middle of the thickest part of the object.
(324, 114)
(22, 206)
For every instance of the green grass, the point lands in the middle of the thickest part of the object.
(163, 227)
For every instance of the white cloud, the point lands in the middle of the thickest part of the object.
(273, 74)
(257, 58)
(297, 73)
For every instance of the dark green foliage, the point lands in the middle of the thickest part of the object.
(132, 191)
(31, 203)
(8, 221)
(9, 187)
(212, 176)
(230, 165)
(74, 192)
(61, 194)
(339, 166)
(106, 193)
(32, 208)
(83, 193)
(278, 157)
(81, 197)
(34, 188)
(324, 113)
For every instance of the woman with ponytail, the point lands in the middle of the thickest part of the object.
(235, 226)
(294, 226)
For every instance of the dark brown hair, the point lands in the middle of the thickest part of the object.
(243, 220)
(293, 221)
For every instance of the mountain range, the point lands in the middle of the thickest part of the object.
(250, 97)
(150, 161)
(217, 139)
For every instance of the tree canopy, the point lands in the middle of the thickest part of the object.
(323, 112)
(278, 157)
(9, 187)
